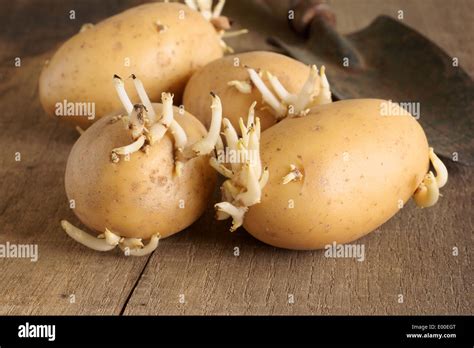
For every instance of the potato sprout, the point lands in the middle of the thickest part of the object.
(245, 178)
(242, 86)
(146, 129)
(294, 175)
(427, 194)
(315, 91)
(109, 240)
(214, 16)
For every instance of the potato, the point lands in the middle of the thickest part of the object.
(216, 76)
(139, 197)
(141, 173)
(163, 43)
(335, 175)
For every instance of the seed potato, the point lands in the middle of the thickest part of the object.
(139, 197)
(163, 43)
(331, 175)
(217, 75)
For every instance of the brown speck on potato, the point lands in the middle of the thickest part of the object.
(135, 186)
(159, 180)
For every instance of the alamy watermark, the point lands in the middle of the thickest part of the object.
(80, 109)
(21, 251)
(355, 251)
(28, 330)
(237, 156)
(389, 108)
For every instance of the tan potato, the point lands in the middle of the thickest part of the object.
(141, 174)
(216, 76)
(333, 175)
(163, 43)
(357, 166)
(140, 197)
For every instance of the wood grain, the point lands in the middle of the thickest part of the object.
(411, 255)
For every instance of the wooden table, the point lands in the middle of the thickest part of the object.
(196, 271)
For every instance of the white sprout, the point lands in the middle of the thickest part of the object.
(242, 86)
(219, 144)
(205, 8)
(130, 148)
(86, 239)
(232, 139)
(427, 194)
(146, 250)
(131, 243)
(137, 120)
(440, 168)
(144, 98)
(237, 213)
(180, 141)
(215, 17)
(315, 91)
(158, 129)
(221, 168)
(218, 9)
(267, 95)
(207, 144)
(122, 94)
(245, 178)
(252, 192)
(280, 90)
(294, 175)
(144, 114)
(167, 101)
(109, 240)
(306, 95)
(79, 130)
(86, 26)
(264, 178)
(192, 4)
(324, 96)
(228, 34)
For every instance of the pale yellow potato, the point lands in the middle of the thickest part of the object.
(130, 42)
(142, 196)
(358, 168)
(216, 75)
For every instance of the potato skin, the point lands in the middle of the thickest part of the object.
(140, 197)
(82, 68)
(357, 165)
(215, 76)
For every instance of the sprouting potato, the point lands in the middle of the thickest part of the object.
(163, 43)
(287, 87)
(333, 175)
(141, 174)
